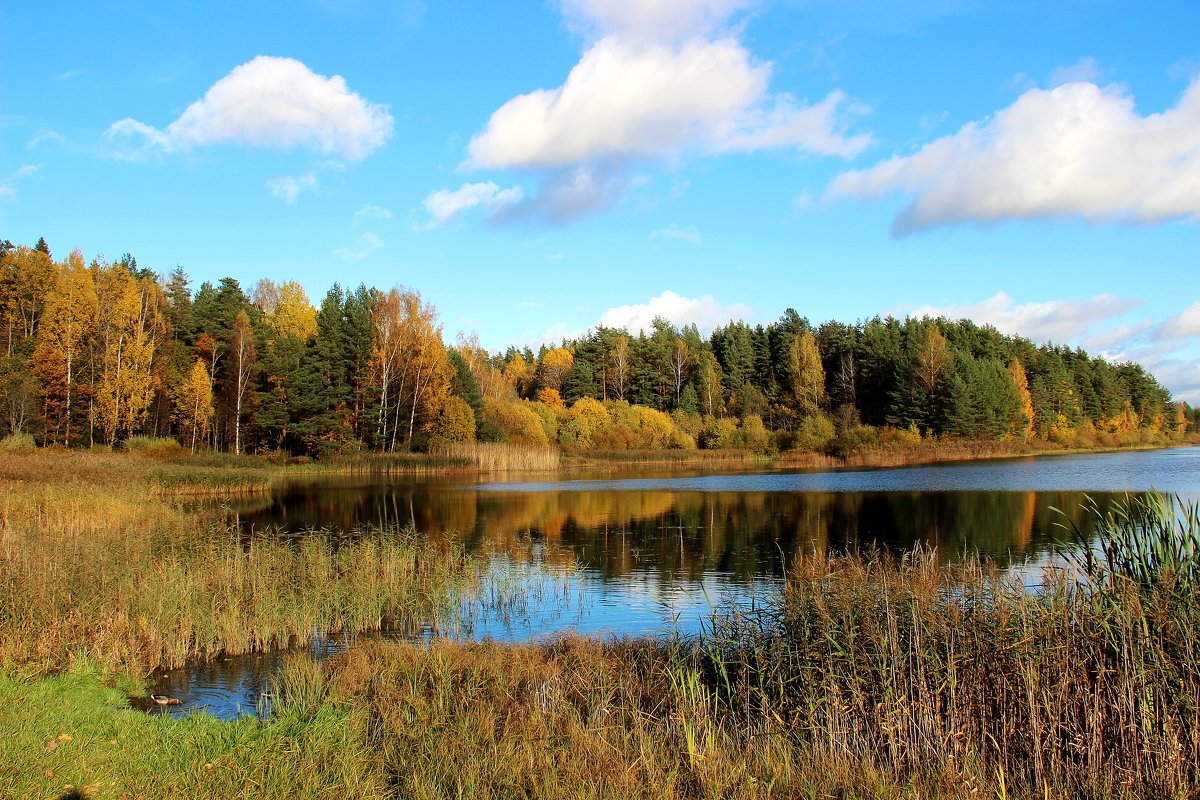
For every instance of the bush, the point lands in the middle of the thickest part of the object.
(455, 424)
(718, 434)
(17, 443)
(814, 433)
(755, 436)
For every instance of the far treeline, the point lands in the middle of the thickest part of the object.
(96, 353)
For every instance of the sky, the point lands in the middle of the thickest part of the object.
(535, 169)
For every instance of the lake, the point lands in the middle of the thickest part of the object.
(653, 552)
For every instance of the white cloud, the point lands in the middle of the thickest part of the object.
(42, 137)
(7, 194)
(657, 81)
(1077, 150)
(646, 100)
(658, 20)
(703, 312)
(445, 204)
(290, 188)
(27, 170)
(1183, 325)
(130, 140)
(71, 73)
(676, 233)
(1055, 320)
(363, 245)
(267, 102)
(372, 212)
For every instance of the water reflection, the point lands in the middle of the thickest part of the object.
(674, 536)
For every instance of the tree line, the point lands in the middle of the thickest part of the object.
(97, 352)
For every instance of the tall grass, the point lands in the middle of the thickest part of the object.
(501, 457)
(136, 583)
(866, 677)
(1150, 540)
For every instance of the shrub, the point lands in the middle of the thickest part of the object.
(455, 424)
(755, 436)
(814, 433)
(17, 443)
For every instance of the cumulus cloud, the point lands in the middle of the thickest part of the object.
(676, 233)
(1054, 320)
(363, 245)
(290, 188)
(1183, 325)
(703, 312)
(647, 100)
(267, 102)
(1077, 150)
(657, 81)
(445, 204)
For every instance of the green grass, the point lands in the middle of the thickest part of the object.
(73, 735)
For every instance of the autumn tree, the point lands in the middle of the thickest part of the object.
(1024, 427)
(933, 356)
(71, 310)
(554, 367)
(128, 334)
(681, 361)
(709, 384)
(519, 374)
(25, 277)
(194, 401)
(807, 374)
(425, 361)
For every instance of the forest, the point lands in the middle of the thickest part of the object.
(99, 353)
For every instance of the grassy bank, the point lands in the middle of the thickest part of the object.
(73, 736)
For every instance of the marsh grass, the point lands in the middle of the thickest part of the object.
(502, 457)
(867, 677)
(136, 583)
(1150, 540)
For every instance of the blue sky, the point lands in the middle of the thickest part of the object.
(534, 169)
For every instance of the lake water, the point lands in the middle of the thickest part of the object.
(654, 552)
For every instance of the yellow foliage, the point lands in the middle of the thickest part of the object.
(521, 425)
(550, 398)
(1017, 371)
(456, 423)
(556, 365)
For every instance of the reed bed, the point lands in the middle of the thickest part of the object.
(501, 457)
(134, 583)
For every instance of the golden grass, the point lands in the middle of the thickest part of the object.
(133, 582)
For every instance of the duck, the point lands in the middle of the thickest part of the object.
(163, 700)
